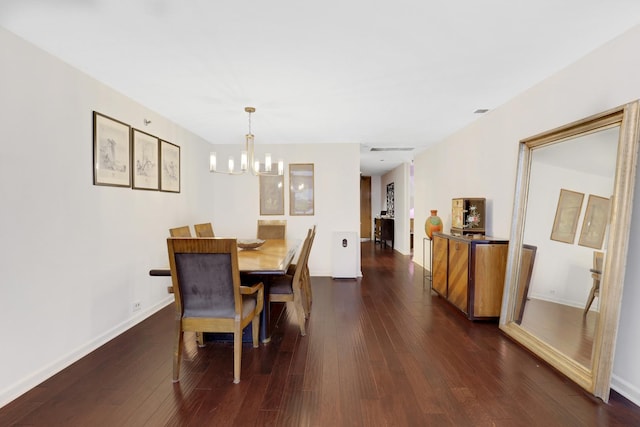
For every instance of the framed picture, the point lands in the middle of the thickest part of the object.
(594, 224)
(391, 200)
(111, 151)
(169, 167)
(146, 173)
(567, 213)
(301, 189)
(272, 194)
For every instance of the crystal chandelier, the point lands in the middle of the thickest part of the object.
(248, 162)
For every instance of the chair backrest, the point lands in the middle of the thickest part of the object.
(183, 231)
(303, 258)
(205, 276)
(596, 271)
(524, 280)
(272, 229)
(598, 258)
(204, 230)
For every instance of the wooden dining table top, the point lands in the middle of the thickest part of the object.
(273, 257)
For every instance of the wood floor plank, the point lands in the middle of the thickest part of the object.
(382, 350)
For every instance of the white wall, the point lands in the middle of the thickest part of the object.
(76, 256)
(480, 160)
(337, 197)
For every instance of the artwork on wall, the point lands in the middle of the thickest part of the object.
(111, 152)
(301, 189)
(125, 157)
(145, 161)
(594, 223)
(272, 194)
(566, 219)
(390, 200)
(169, 167)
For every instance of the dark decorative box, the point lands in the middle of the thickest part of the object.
(468, 216)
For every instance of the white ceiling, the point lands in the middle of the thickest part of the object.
(405, 73)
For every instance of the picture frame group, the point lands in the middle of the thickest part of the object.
(594, 221)
(124, 156)
(301, 191)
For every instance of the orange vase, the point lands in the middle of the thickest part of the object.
(432, 224)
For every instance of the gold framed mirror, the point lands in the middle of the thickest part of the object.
(562, 296)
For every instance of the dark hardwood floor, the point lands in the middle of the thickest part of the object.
(381, 351)
(564, 327)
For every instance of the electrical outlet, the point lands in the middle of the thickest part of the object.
(137, 306)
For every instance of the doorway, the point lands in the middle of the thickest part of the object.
(365, 208)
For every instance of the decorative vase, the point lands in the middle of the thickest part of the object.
(432, 224)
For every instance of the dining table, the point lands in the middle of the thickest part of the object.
(272, 258)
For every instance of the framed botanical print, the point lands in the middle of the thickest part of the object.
(565, 222)
(272, 194)
(594, 223)
(169, 167)
(301, 192)
(111, 151)
(146, 173)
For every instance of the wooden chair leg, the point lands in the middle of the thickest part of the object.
(200, 339)
(255, 331)
(301, 317)
(237, 353)
(177, 351)
(592, 296)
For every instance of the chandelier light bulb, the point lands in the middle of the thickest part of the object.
(212, 161)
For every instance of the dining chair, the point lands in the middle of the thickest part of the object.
(204, 230)
(306, 276)
(596, 275)
(288, 288)
(209, 296)
(272, 229)
(183, 231)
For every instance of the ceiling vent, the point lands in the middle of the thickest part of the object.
(392, 149)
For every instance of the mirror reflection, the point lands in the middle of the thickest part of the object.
(565, 228)
(569, 241)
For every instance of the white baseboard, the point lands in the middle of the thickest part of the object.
(16, 390)
(626, 389)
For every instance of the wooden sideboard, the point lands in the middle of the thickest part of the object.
(384, 231)
(469, 273)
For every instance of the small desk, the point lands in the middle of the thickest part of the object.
(272, 258)
(384, 231)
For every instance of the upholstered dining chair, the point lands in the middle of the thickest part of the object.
(209, 297)
(204, 230)
(288, 288)
(272, 229)
(183, 231)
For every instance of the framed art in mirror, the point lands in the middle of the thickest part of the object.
(111, 151)
(169, 167)
(594, 224)
(301, 191)
(596, 155)
(565, 222)
(145, 161)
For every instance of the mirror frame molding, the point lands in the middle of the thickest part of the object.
(597, 378)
